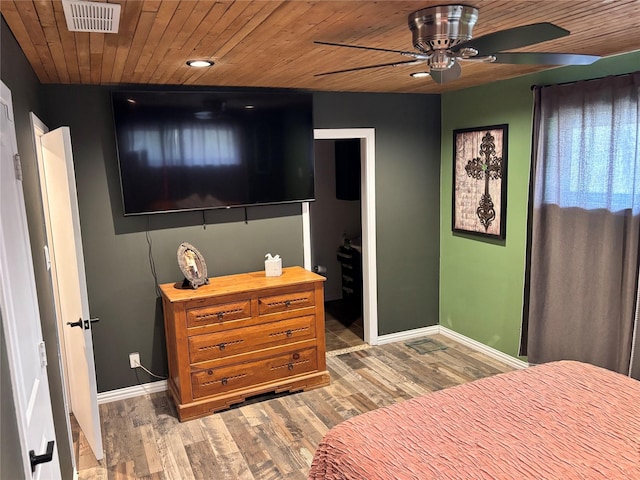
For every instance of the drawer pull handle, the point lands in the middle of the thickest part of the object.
(287, 303)
(209, 372)
(220, 315)
(222, 346)
(296, 356)
(289, 333)
(225, 381)
(290, 366)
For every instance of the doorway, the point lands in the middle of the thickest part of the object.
(65, 263)
(27, 415)
(367, 214)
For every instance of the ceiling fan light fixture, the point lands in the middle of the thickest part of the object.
(199, 63)
(442, 37)
(442, 27)
(441, 60)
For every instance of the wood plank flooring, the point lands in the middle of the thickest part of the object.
(275, 437)
(337, 336)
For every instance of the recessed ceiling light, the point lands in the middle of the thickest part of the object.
(419, 74)
(199, 63)
(249, 107)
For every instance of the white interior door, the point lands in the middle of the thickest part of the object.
(60, 205)
(20, 315)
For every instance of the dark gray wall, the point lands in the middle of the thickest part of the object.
(119, 273)
(407, 197)
(25, 88)
(119, 276)
(120, 283)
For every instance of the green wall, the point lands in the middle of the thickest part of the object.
(481, 281)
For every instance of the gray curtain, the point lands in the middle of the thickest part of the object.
(635, 352)
(582, 283)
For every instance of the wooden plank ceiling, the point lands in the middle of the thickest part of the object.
(263, 43)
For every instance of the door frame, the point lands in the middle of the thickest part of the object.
(368, 212)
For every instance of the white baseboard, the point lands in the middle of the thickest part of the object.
(408, 334)
(130, 392)
(161, 386)
(481, 347)
(469, 342)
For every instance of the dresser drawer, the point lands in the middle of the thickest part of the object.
(286, 302)
(219, 314)
(218, 380)
(241, 340)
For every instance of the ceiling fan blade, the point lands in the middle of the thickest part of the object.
(448, 75)
(542, 58)
(420, 56)
(355, 69)
(512, 38)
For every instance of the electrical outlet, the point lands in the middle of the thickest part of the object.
(134, 360)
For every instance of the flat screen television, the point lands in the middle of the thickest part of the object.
(198, 150)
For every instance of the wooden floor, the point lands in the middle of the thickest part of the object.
(338, 337)
(274, 438)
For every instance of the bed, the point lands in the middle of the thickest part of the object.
(556, 421)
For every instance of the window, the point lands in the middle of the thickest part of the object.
(591, 149)
(584, 232)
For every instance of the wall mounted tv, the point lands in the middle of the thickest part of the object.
(198, 150)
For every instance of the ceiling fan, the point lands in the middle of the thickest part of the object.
(443, 36)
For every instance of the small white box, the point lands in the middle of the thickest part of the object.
(273, 265)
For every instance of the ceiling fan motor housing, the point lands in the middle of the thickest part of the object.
(442, 27)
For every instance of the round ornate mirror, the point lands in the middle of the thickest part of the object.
(192, 265)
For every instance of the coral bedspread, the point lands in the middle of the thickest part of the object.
(557, 421)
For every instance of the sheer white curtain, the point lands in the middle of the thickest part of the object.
(584, 244)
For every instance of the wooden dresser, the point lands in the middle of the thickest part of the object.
(241, 336)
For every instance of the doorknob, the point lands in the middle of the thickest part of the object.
(44, 458)
(91, 320)
(83, 323)
(75, 324)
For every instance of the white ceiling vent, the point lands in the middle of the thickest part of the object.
(91, 16)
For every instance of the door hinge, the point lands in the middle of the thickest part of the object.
(18, 166)
(43, 354)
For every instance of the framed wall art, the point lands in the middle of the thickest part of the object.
(480, 181)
